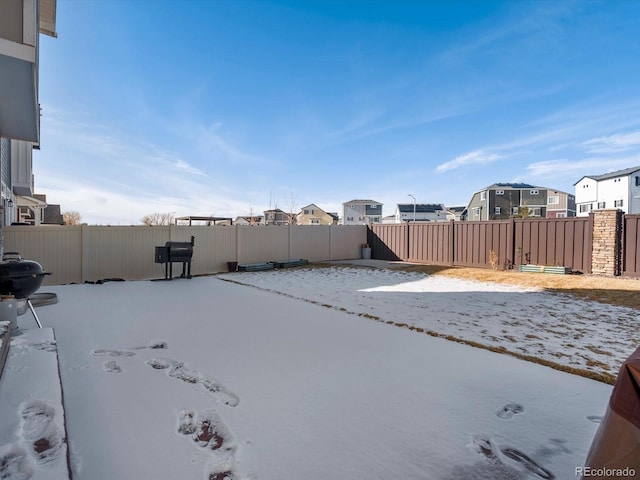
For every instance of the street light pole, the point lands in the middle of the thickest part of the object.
(414, 208)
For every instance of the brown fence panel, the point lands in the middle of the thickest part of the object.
(388, 242)
(631, 246)
(431, 243)
(565, 242)
(474, 242)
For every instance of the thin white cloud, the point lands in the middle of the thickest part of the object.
(618, 142)
(477, 157)
(590, 166)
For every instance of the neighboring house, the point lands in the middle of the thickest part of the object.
(455, 213)
(249, 220)
(52, 215)
(30, 210)
(361, 212)
(389, 219)
(619, 189)
(314, 215)
(21, 22)
(424, 212)
(504, 200)
(278, 217)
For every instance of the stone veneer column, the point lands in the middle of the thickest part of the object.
(607, 229)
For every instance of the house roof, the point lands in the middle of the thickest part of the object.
(334, 215)
(606, 176)
(511, 185)
(48, 17)
(420, 207)
(362, 202)
(457, 209)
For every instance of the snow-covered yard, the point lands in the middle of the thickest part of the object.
(531, 323)
(195, 379)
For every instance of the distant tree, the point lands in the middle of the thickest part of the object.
(292, 214)
(523, 212)
(71, 218)
(158, 219)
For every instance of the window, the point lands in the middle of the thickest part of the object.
(637, 181)
(483, 195)
(497, 210)
(553, 200)
(516, 210)
(535, 212)
(585, 207)
(561, 215)
(617, 203)
(306, 212)
(533, 192)
(499, 192)
(315, 221)
(602, 204)
(373, 206)
(349, 219)
(476, 211)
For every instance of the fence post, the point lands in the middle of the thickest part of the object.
(84, 253)
(511, 241)
(607, 241)
(408, 251)
(452, 243)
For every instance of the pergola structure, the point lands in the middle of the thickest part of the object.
(208, 220)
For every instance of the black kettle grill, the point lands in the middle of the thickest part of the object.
(20, 278)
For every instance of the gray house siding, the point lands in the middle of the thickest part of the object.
(5, 161)
(501, 205)
(477, 209)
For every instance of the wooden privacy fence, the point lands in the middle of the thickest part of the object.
(75, 254)
(501, 244)
(631, 246)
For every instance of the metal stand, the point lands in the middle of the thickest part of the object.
(34, 313)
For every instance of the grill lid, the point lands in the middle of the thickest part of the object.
(13, 266)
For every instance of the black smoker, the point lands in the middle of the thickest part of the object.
(175, 252)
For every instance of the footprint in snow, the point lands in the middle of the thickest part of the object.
(42, 437)
(178, 370)
(112, 352)
(208, 432)
(104, 352)
(510, 457)
(112, 367)
(509, 410)
(153, 345)
(14, 463)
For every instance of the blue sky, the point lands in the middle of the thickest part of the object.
(228, 107)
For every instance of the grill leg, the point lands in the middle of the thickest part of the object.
(34, 313)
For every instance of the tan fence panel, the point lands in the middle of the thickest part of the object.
(57, 249)
(389, 242)
(91, 253)
(311, 242)
(263, 243)
(346, 241)
(122, 252)
(214, 247)
(431, 243)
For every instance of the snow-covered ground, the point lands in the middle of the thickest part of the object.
(576, 333)
(192, 379)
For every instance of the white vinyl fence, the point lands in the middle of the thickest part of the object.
(75, 254)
